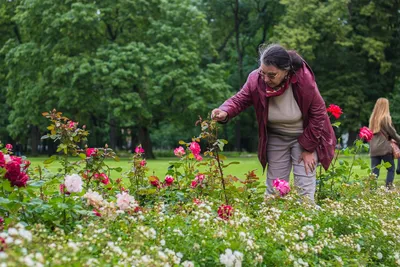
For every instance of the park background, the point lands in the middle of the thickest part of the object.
(142, 72)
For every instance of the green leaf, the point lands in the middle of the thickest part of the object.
(82, 155)
(4, 200)
(336, 124)
(50, 160)
(118, 169)
(7, 186)
(36, 183)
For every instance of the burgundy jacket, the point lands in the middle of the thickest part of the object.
(318, 133)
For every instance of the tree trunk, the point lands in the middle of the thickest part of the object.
(113, 135)
(34, 140)
(144, 138)
(134, 139)
(240, 55)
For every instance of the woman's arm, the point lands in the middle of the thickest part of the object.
(242, 99)
(391, 132)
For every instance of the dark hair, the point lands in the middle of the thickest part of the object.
(281, 58)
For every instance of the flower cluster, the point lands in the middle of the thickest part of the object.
(16, 169)
(195, 148)
(231, 259)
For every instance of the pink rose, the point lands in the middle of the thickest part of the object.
(9, 147)
(198, 157)
(225, 211)
(169, 180)
(179, 151)
(91, 152)
(200, 177)
(195, 148)
(102, 177)
(366, 134)
(335, 110)
(282, 186)
(16, 159)
(2, 160)
(143, 163)
(1, 221)
(13, 170)
(139, 150)
(105, 179)
(72, 124)
(193, 184)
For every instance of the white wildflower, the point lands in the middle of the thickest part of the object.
(187, 264)
(379, 255)
(12, 231)
(25, 234)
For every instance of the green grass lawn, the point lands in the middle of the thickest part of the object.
(159, 167)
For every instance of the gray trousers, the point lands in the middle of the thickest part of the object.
(283, 153)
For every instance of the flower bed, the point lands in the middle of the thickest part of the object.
(187, 218)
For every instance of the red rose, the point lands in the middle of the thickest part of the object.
(225, 211)
(335, 110)
(169, 180)
(91, 152)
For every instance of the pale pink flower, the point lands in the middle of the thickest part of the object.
(198, 157)
(94, 199)
(73, 183)
(125, 201)
(179, 151)
(282, 186)
(195, 148)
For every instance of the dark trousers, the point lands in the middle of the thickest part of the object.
(376, 160)
(398, 166)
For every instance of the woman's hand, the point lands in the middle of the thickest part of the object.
(309, 161)
(218, 115)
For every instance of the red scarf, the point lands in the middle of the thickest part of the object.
(271, 92)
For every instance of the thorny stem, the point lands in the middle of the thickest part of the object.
(352, 163)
